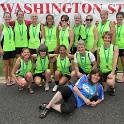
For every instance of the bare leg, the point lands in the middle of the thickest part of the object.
(5, 70)
(57, 97)
(11, 61)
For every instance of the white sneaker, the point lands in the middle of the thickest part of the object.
(40, 85)
(55, 88)
(46, 87)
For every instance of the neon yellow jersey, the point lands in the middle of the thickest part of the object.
(64, 37)
(34, 33)
(119, 38)
(20, 31)
(50, 38)
(106, 58)
(8, 41)
(101, 30)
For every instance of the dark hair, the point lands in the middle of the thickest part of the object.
(94, 71)
(66, 17)
(62, 46)
(120, 13)
(42, 47)
(7, 13)
(19, 11)
(50, 16)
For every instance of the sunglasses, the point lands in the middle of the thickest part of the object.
(43, 50)
(89, 20)
(64, 20)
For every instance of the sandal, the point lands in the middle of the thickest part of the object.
(44, 113)
(8, 83)
(119, 81)
(30, 90)
(12, 82)
(21, 88)
(42, 106)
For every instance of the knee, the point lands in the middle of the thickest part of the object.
(57, 73)
(29, 75)
(73, 74)
(48, 72)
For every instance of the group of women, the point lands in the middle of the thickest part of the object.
(36, 45)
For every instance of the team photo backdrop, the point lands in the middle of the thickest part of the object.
(60, 7)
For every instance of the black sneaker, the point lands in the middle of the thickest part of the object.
(112, 91)
(44, 113)
(42, 106)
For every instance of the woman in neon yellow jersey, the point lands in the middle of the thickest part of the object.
(107, 56)
(41, 70)
(22, 71)
(119, 39)
(7, 48)
(84, 61)
(91, 34)
(62, 74)
(66, 34)
(20, 32)
(79, 31)
(105, 25)
(36, 33)
(51, 37)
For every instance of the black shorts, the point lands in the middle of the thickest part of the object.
(52, 52)
(41, 75)
(105, 75)
(33, 51)
(81, 71)
(73, 50)
(18, 50)
(70, 102)
(9, 55)
(67, 76)
(121, 52)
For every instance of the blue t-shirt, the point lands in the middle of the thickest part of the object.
(87, 90)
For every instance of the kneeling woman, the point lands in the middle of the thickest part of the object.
(22, 71)
(87, 90)
(107, 56)
(62, 74)
(84, 61)
(42, 62)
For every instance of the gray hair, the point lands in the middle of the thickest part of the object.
(80, 42)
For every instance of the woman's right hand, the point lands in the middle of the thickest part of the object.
(87, 101)
(18, 60)
(79, 74)
(22, 82)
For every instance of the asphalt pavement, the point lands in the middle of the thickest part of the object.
(20, 107)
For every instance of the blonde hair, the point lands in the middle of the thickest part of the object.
(107, 33)
(80, 42)
(104, 11)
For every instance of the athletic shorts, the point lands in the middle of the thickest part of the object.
(9, 55)
(52, 52)
(33, 51)
(41, 75)
(65, 75)
(18, 50)
(70, 102)
(121, 52)
(81, 71)
(105, 75)
(73, 50)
